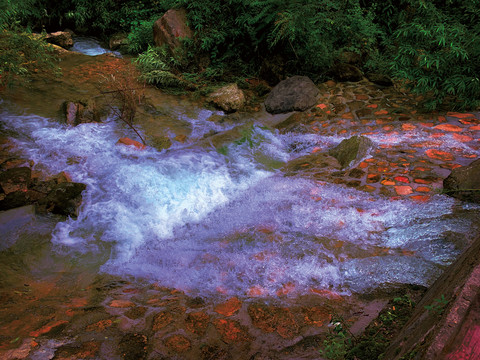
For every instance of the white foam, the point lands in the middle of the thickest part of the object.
(201, 221)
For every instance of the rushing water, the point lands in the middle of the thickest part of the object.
(90, 46)
(206, 221)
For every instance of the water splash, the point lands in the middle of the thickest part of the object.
(204, 222)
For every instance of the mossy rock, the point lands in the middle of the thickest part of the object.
(351, 150)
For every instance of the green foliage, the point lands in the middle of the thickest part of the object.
(157, 67)
(22, 55)
(438, 305)
(338, 342)
(140, 36)
(437, 52)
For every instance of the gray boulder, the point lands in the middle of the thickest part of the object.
(464, 183)
(297, 93)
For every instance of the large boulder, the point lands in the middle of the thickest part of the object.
(464, 183)
(297, 93)
(171, 27)
(351, 150)
(228, 98)
(60, 38)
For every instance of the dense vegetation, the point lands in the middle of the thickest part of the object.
(433, 46)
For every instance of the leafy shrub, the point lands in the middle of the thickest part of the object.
(157, 67)
(140, 36)
(22, 55)
(436, 52)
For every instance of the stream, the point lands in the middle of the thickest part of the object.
(219, 223)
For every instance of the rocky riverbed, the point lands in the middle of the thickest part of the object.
(227, 236)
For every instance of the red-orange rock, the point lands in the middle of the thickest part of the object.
(317, 316)
(178, 343)
(230, 307)
(439, 154)
(47, 328)
(161, 320)
(100, 325)
(272, 318)
(420, 198)
(402, 179)
(197, 322)
(408, 127)
(448, 127)
(403, 190)
(128, 141)
(121, 304)
(423, 189)
(462, 138)
(231, 331)
(459, 115)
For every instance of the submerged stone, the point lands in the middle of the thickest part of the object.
(351, 150)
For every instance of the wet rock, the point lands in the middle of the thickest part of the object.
(136, 312)
(195, 303)
(86, 350)
(311, 164)
(80, 112)
(178, 343)
(346, 72)
(161, 320)
(379, 79)
(228, 98)
(294, 123)
(170, 28)
(197, 322)
(464, 183)
(231, 331)
(16, 179)
(133, 347)
(210, 352)
(272, 318)
(64, 199)
(351, 150)
(129, 142)
(229, 307)
(60, 38)
(297, 93)
(160, 142)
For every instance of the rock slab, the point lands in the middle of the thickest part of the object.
(297, 93)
